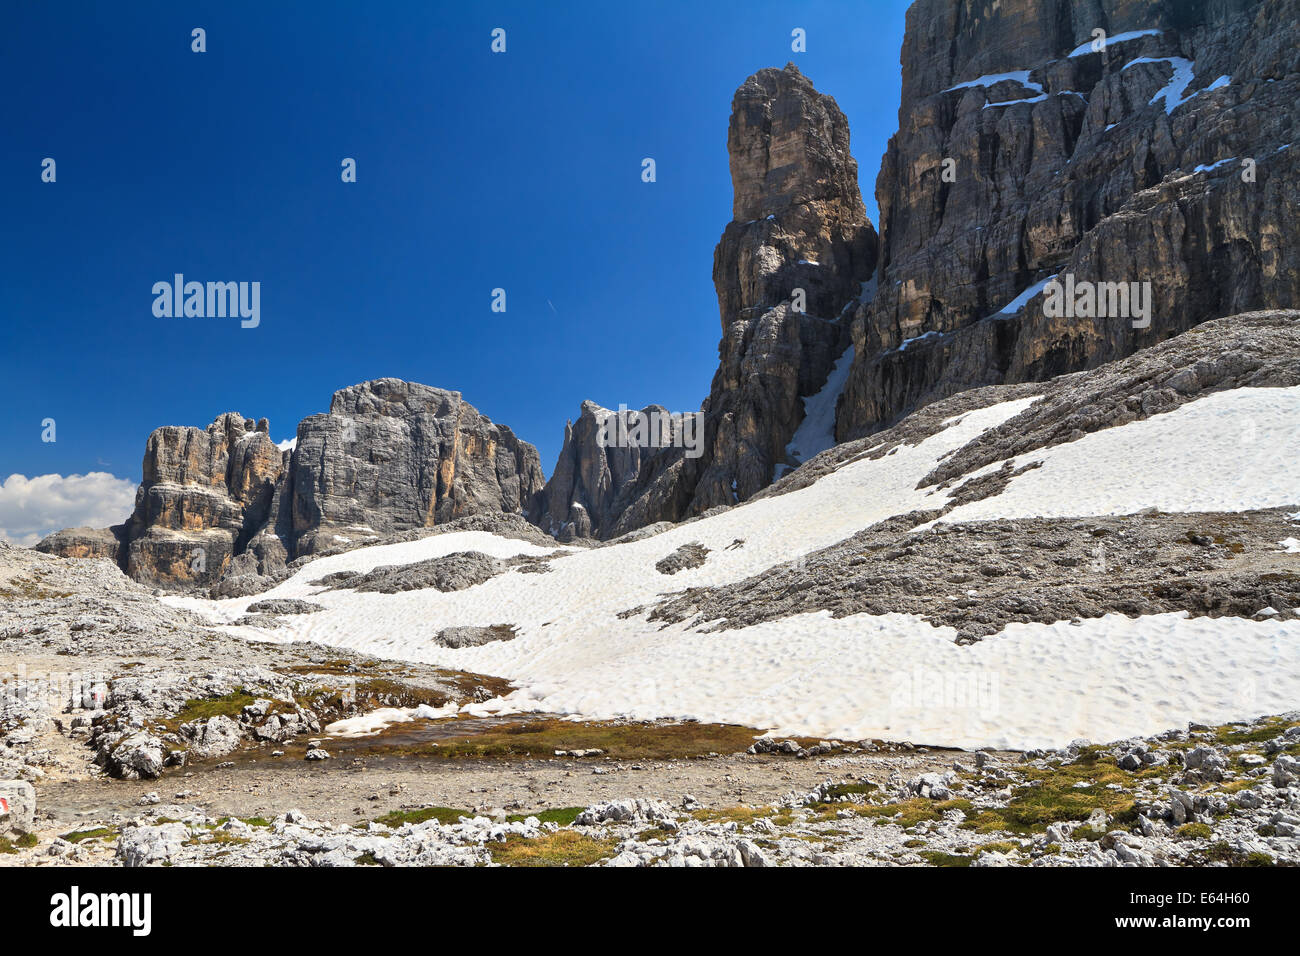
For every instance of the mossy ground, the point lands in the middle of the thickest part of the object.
(542, 738)
(229, 705)
(1054, 795)
(444, 815)
(24, 841)
(29, 589)
(561, 848)
(98, 833)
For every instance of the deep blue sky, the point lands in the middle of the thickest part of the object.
(475, 171)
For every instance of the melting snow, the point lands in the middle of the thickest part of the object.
(1016, 304)
(862, 675)
(1205, 169)
(816, 432)
(1189, 459)
(918, 338)
(989, 79)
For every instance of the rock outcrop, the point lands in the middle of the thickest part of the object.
(600, 490)
(1023, 153)
(798, 252)
(203, 493)
(393, 455)
(389, 457)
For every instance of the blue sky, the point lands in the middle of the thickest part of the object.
(475, 171)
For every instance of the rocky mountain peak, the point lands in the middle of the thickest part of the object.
(789, 145)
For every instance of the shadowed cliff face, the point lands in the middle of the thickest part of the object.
(794, 257)
(1070, 161)
(390, 456)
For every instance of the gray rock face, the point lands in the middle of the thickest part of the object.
(203, 489)
(392, 455)
(224, 508)
(600, 491)
(1084, 167)
(688, 556)
(214, 737)
(283, 606)
(799, 224)
(1021, 154)
(136, 756)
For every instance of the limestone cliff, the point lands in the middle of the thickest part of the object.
(1123, 164)
(388, 457)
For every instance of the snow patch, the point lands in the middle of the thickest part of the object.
(1018, 303)
(816, 432)
(1084, 49)
(1182, 77)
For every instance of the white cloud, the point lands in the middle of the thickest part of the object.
(31, 508)
(289, 444)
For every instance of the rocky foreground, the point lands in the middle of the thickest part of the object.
(133, 735)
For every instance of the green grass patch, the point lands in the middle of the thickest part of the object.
(1231, 734)
(998, 846)
(24, 841)
(1057, 799)
(561, 848)
(743, 815)
(564, 816)
(936, 858)
(618, 740)
(1195, 831)
(850, 789)
(444, 815)
(98, 833)
(909, 813)
(230, 705)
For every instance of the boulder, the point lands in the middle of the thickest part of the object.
(17, 806)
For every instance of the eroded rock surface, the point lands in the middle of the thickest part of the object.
(225, 508)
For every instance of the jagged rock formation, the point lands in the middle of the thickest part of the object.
(600, 490)
(393, 455)
(203, 492)
(1124, 165)
(799, 224)
(390, 456)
